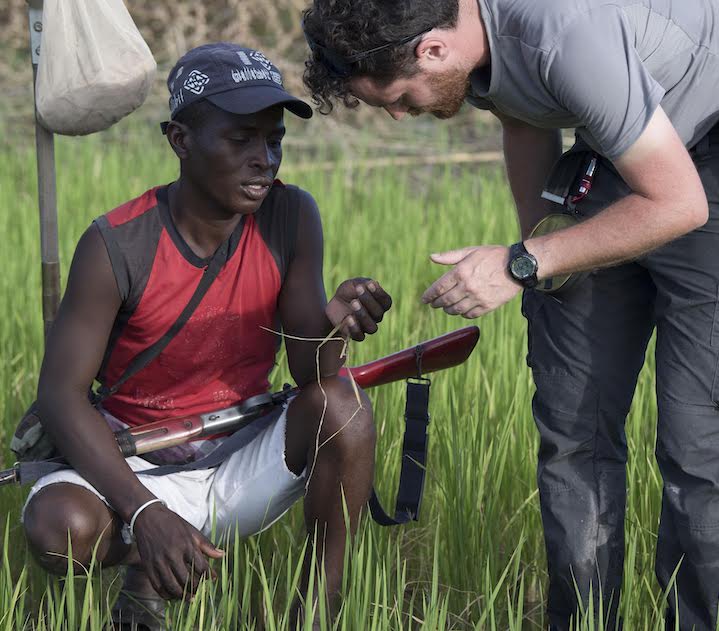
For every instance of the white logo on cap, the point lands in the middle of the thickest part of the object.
(261, 59)
(276, 77)
(244, 58)
(196, 82)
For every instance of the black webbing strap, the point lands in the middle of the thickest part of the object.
(233, 443)
(414, 459)
(145, 357)
(31, 472)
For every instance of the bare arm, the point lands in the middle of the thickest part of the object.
(303, 300)
(529, 153)
(75, 348)
(357, 306)
(668, 201)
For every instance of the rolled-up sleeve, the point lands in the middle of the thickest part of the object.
(594, 71)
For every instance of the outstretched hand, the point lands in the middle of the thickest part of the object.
(358, 305)
(478, 284)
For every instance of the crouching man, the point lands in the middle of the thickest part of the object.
(134, 272)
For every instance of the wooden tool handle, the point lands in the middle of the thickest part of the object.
(135, 441)
(440, 353)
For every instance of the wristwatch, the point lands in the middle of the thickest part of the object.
(523, 266)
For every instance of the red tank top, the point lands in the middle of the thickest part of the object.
(224, 353)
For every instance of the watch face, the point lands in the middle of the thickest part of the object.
(523, 267)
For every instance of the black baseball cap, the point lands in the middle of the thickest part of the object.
(236, 79)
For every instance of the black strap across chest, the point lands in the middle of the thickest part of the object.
(145, 357)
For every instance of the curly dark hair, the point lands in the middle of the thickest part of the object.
(349, 27)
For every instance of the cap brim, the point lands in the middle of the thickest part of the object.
(250, 100)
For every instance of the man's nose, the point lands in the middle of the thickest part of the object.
(262, 156)
(396, 111)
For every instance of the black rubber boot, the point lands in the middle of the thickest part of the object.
(138, 607)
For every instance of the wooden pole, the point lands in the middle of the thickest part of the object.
(47, 195)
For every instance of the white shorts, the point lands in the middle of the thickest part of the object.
(249, 491)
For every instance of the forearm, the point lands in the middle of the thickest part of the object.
(530, 153)
(622, 232)
(317, 359)
(85, 440)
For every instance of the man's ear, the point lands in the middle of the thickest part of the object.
(179, 137)
(433, 48)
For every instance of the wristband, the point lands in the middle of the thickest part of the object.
(128, 530)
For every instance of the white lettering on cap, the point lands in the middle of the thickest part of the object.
(176, 100)
(251, 74)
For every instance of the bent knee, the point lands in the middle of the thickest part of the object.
(61, 516)
(343, 414)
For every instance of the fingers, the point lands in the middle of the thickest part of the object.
(183, 575)
(452, 297)
(350, 328)
(357, 306)
(452, 257)
(364, 319)
(191, 570)
(206, 547)
(440, 287)
(200, 565)
(477, 312)
(170, 586)
(176, 563)
(155, 581)
(372, 306)
(462, 307)
(380, 295)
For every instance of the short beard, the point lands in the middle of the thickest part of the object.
(452, 88)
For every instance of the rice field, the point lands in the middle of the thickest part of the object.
(476, 558)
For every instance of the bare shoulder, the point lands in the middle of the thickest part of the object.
(300, 199)
(79, 334)
(91, 276)
(91, 246)
(307, 209)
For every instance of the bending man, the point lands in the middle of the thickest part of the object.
(638, 80)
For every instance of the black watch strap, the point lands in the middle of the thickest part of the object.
(523, 266)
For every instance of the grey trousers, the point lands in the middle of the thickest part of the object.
(586, 347)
